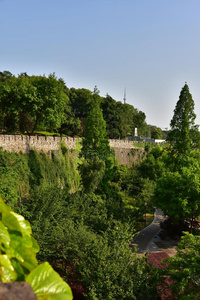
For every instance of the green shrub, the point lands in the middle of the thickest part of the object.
(14, 177)
(109, 270)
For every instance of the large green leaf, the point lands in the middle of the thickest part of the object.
(35, 247)
(47, 284)
(7, 271)
(19, 245)
(3, 206)
(30, 261)
(4, 236)
(16, 222)
(19, 269)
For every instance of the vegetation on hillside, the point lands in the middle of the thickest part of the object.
(84, 210)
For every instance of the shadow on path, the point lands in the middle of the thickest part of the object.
(143, 240)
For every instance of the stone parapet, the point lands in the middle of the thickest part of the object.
(23, 143)
(121, 144)
(47, 144)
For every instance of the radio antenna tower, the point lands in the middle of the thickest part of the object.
(124, 96)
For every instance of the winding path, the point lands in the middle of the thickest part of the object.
(147, 239)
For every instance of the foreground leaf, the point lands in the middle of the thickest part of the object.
(47, 284)
(30, 261)
(7, 272)
(16, 222)
(3, 206)
(35, 247)
(4, 236)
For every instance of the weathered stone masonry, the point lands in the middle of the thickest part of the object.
(23, 143)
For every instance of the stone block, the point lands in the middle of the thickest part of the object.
(16, 291)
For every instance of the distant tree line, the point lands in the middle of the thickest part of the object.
(30, 103)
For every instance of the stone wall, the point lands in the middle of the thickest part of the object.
(121, 144)
(16, 291)
(23, 143)
(128, 157)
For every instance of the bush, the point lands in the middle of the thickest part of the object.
(109, 269)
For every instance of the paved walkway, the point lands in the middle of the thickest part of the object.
(148, 238)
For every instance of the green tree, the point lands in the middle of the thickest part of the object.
(95, 150)
(156, 133)
(183, 130)
(112, 116)
(34, 100)
(178, 194)
(92, 172)
(110, 270)
(122, 119)
(153, 166)
(183, 269)
(80, 100)
(140, 123)
(72, 126)
(95, 142)
(131, 119)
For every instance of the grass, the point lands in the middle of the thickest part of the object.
(46, 133)
(42, 133)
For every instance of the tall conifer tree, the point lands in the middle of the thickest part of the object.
(96, 140)
(183, 130)
(96, 150)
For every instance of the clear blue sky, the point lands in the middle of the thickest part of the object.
(149, 47)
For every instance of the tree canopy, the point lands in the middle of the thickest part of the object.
(122, 119)
(29, 103)
(32, 101)
(156, 133)
(183, 269)
(177, 194)
(80, 101)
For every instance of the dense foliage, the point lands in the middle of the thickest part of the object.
(71, 223)
(178, 193)
(35, 103)
(30, 101)
(122, 119)
(180, 274)
(84, 208)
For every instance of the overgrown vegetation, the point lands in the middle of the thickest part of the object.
(84, 209)
(69, 221)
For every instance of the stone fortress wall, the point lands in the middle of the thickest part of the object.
(47, 144)
(22, 143)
